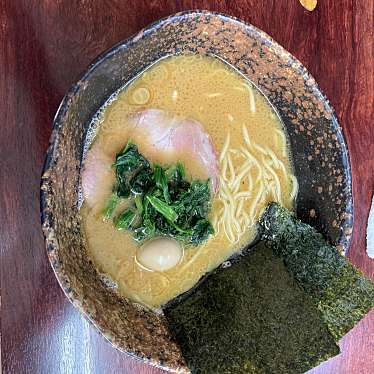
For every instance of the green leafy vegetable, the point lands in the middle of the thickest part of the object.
(140, 182)
(130, 159)
(163, 208)
(251, 317)
(176, 173)
(124, 220)
(342, 293)
(194, 201)
(132, 170)
(201, 231)
(164, 202)
(139, 204)
(161, 181)
(111, 205)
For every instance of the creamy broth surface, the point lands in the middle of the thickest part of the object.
(254, 160)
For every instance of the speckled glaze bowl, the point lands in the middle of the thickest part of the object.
(318, 149)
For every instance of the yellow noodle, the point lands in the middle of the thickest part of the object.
(230, 198)
(234, 187)
(280, 165)
(239, 88)
(260, 149)
(224, 169)
(243, 173)
(225, 148)
(240, 195)
(281, 134)
(242, 227)
(245, 163)
(240, 208)
(229, 213)
(248, 221)
(277, 162)
(268, 166)
(192, 259)
(283, 168)
(295, 186)
(274, 158)
(229, 233)
(250, 182)
(271, 190)
(277, 182)
(236, 224)
(246, 135)
(231, 168)
(214, 94)
(248, 154)
(226, 199)
(244, 169)
(252, 101)
(256, 200)
(283, 141)
(226, 211)
(222, 194)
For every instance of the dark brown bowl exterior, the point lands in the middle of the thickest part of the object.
(318, 149)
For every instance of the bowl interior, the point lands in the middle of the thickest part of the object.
(317, 145)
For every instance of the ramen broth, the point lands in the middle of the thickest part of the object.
(254, 169)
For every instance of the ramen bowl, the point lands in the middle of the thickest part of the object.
(319, 155)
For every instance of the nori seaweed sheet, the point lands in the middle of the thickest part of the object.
(341, 292)
(250, 318)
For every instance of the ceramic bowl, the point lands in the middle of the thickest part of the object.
(317, 144)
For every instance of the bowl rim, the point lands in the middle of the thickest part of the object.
(64, 106)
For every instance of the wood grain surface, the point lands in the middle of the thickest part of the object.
(44, 46)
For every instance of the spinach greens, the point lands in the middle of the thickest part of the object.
(164, 202)
(132, 171)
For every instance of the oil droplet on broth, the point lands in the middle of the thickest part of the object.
(210, 92)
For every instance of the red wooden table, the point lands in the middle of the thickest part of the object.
(44, 46)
